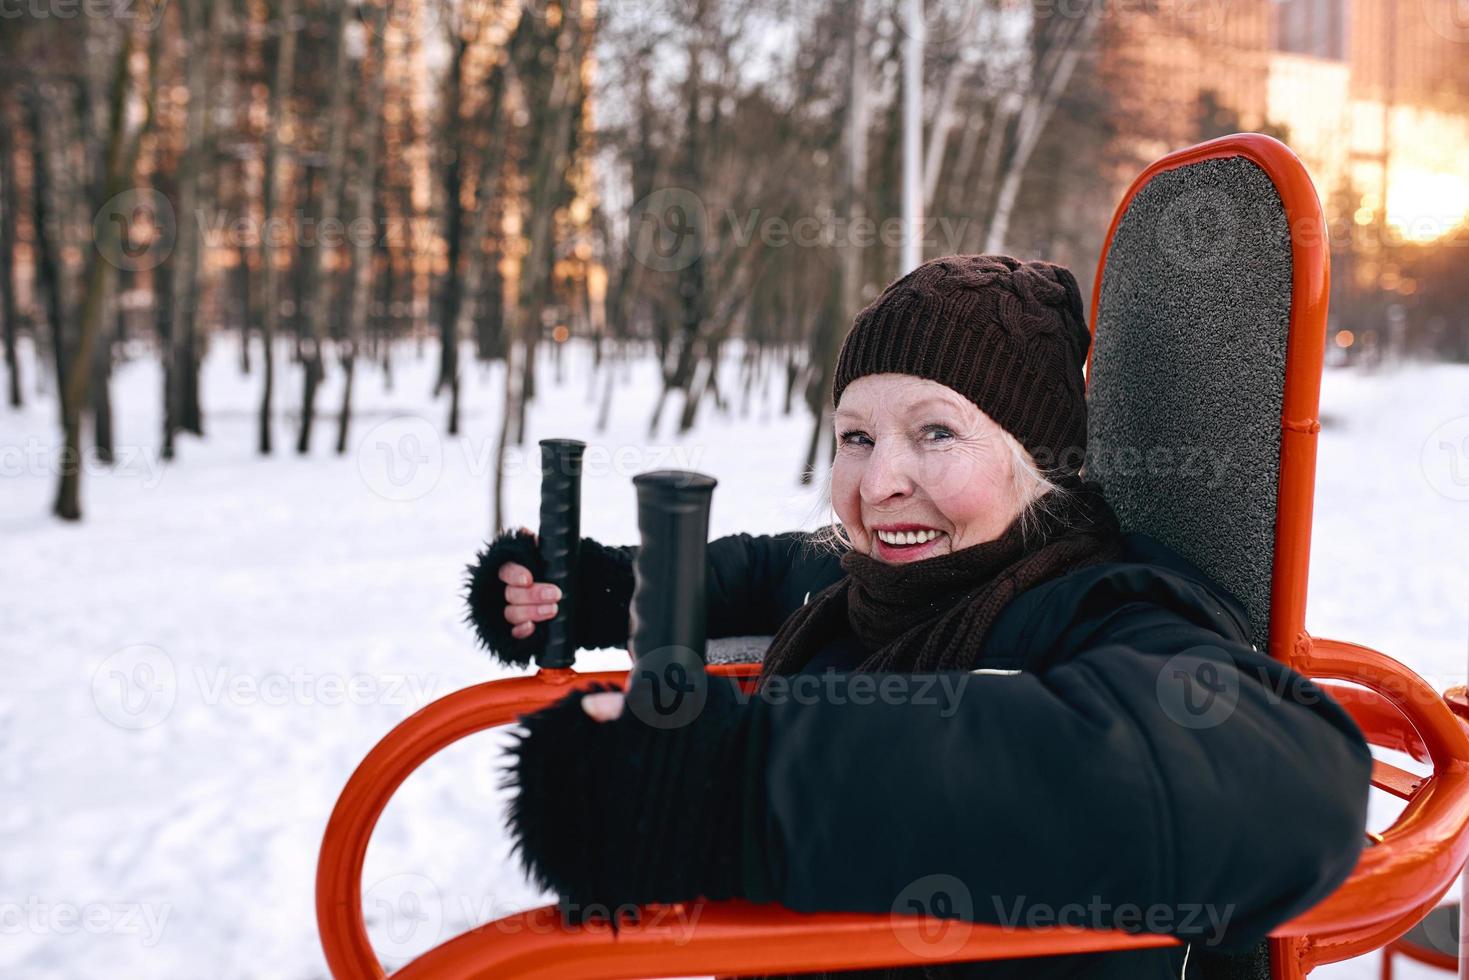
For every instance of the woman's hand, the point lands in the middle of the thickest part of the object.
(619, 812)
(604, 705)
(526, 602)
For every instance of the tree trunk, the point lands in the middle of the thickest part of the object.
(497, 504)
(478, 266)
(363, 249)
(338, 114)
(270, 276)
(79, 370)
(853, 189)
(44, 218)
(1058, 61)
(102, 402)
(183, 369)
(450, 291)
(8, 309)
(553, 142)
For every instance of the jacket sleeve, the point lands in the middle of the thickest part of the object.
(1163, 779)
(757, 581)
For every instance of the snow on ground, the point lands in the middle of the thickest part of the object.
(189, 676)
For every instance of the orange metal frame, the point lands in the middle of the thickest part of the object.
(1394, 884)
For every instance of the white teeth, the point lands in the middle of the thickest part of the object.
(907, 537)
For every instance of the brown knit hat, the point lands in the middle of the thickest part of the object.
(1008, 335)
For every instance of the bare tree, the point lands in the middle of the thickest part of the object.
(269, 304)
(366, 196)
(9, 310)
(181, 349)
(339, 116)
(555, 104)
(1059, 43)
(79, 370)
(853, 188)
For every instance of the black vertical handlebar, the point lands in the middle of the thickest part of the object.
(671, 568)
(559, 543)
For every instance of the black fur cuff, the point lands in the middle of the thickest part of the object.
(604, 593)
(621, 813)
(485, 596)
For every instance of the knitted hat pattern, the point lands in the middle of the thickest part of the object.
(1009, 335)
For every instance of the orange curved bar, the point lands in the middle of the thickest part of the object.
(1375, 713)
(1319, 951)
(1422, 852)
(736, 937)
(1305, 353)
(402, 750)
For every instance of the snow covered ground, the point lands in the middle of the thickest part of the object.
(188, 677)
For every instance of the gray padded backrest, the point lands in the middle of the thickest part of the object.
(1188, 371)
(737, 649)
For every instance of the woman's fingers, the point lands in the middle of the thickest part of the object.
(512, 573)
(527, 601)
(515, 614)
(536, 594)
(603, 705)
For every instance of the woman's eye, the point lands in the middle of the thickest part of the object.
(849, 437)
(941, 432)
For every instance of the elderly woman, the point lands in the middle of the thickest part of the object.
(1041, 756)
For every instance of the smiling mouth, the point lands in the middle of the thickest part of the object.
(906, 546)
(907, 538)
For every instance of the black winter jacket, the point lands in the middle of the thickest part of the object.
(1122, 757)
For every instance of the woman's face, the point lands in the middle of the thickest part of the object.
(916, 461)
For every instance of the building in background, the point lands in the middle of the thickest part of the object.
(1373, 95)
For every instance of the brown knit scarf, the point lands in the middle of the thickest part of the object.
(933, 614)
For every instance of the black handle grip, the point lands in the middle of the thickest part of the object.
(559, 542)
(672, 566)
